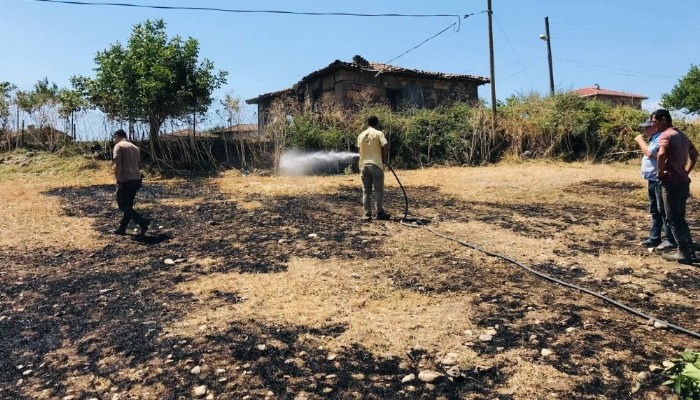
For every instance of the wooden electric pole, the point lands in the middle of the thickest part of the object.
(492, 70)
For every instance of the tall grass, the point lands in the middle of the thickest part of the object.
(562, 127)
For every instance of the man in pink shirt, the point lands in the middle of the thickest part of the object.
(126, 163)
(675, 159)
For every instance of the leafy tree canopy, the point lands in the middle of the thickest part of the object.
(39, 102)
(151, 79)
(5, 89)
(685, 96)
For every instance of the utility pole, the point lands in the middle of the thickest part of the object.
(548, 39)
(492, 70)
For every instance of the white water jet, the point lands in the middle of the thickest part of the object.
(293, 162)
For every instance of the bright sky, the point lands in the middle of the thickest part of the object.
(640, 46)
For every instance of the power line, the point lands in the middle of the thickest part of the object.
(512, 48)
(433, 37)
(627, 38)
(636, 73)
(229, 10)
(422, 43)
(521, 71)
(618, 27)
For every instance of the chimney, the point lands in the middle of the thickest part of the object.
(360, 61)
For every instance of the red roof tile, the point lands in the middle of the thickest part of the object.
(595, 91)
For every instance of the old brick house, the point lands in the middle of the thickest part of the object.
(611, 97)
(345, 81)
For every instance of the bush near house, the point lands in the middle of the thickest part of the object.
(563, 127)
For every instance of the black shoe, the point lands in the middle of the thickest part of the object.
(383, 216)
(665, 246)
(650, 243)
(119, 231)
(144, 226)
(679, 257)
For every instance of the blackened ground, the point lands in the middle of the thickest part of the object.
(117, 300)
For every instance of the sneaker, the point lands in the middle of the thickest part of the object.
(383, 216)
(678, 256)
(666, 245)
(144, 226)
(366, 217)
(650, 243)
(119, 231)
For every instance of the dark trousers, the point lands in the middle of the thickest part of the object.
(658, 217)
(126, 192)
(372, 177)
(674, 196)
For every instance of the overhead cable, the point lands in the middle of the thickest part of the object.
(230, 10)
(513, 49)
(637, 73)
(456, 25)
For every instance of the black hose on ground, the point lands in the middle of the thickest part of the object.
(406, 219)
(419, 223)
(405, 197)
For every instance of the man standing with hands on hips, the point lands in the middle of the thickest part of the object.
(374, 153)
(676, 158)
(126, 163)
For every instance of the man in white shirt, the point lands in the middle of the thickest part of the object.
(374, 154)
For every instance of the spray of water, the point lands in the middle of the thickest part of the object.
(293, 162)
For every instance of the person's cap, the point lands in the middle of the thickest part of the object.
(646, 123)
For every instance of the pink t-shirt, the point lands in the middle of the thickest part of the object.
(127, 161)
(676, 146)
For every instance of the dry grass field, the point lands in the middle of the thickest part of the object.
(270, 287)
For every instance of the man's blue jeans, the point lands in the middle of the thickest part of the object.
(675, 195)
(658, 218)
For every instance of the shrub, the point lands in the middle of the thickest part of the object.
(563, 127)
(684, 374)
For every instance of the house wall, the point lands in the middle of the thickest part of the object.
(345, 85)
(620, 100)
(419, 91)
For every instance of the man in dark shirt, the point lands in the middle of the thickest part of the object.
(676, 158)
(126, 163)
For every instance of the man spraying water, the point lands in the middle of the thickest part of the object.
(374, 154)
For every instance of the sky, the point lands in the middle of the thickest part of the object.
(639, 46)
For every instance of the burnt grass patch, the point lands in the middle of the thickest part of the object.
(441, 273)
(115, 301)
(685, 283)
(292, 366)
(68, 311)
(508, 314)
(621, 193)
(248, 241)
(571, 273)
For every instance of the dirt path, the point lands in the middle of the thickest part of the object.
(271, 287)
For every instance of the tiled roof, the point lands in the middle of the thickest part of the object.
(377, 68)
(594, 91)
(188, 132)
(238, 128)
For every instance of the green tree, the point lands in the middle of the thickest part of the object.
(5, 89)
(151, 79)
(685, 96)
(69, 102)
(232, 106)
(39, 102)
